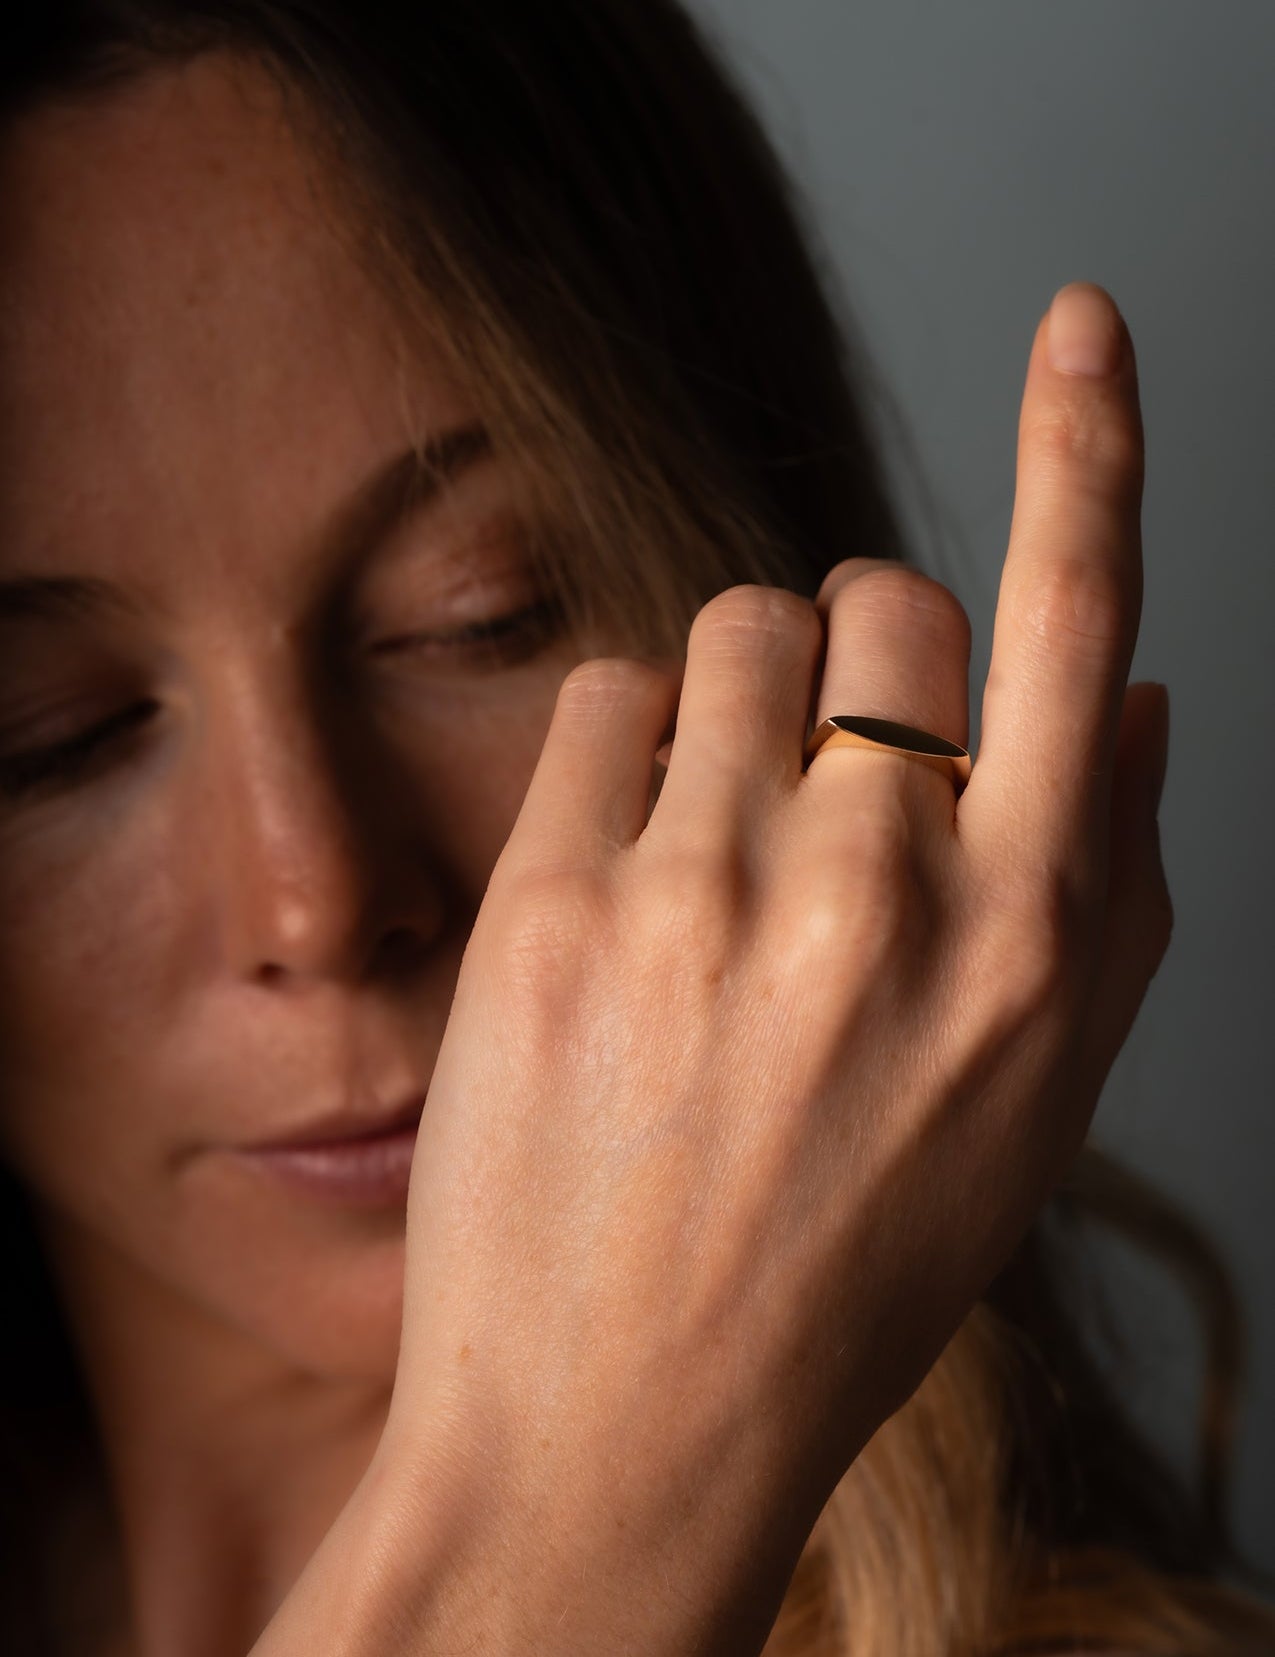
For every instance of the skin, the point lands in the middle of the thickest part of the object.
(255, 906)
(640, 1119)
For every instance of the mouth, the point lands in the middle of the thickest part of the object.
(362, 1158)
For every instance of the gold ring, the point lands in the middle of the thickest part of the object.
(852, 730)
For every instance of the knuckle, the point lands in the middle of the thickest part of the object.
(899, 599)
(876, 911)
(547, 914)
(604, 682)
(848, 570)
(884, 856)
(701, 893)
(861, 931)
(754, 612)
(1080, 600)
(688, 927)
(1092, 436)
(896, 595)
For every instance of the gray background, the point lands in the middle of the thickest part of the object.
(961, 162)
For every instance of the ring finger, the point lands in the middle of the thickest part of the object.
(898, 648)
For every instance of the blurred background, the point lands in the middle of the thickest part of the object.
(959, 163)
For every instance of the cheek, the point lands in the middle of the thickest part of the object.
(120, 1028)
(97, 1104)
(83, 944)
(472, 767)
(82, 961)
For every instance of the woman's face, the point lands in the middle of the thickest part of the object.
(254, 773)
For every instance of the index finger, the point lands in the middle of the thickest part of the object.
(1070, 598)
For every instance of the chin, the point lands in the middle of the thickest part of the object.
(346, 1321)
(332, 1311)
(234, 1281)
(315, 1286)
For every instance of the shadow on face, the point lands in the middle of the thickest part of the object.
(272, 695)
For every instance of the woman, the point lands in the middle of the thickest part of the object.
(385, 397)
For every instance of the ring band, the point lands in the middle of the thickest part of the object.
(852, 730)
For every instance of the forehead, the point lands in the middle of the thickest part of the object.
(188, 344)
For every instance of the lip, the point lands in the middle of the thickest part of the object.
(349, 1157)
(347, 1126)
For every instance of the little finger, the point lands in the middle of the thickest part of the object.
(1139, 917)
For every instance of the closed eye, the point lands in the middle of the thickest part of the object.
(62, 764)
(496, 640)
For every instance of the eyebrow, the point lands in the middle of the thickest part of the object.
(406, 484)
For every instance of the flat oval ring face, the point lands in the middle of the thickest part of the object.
(906, 738)
(861, 731)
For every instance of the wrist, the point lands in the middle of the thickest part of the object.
(516, 1541)
(506, 1542)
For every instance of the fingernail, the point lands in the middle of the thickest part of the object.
(1084, 331)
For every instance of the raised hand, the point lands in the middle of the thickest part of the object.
(742, 1103)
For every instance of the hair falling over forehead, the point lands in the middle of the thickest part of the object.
(596, 215)
(603, 307)
(628, 294)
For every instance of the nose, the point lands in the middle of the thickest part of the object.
(316, 874)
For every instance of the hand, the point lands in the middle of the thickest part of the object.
(740, 1108)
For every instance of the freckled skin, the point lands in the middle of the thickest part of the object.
(258, 907)
(250, 910)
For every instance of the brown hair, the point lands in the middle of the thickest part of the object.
(630, 294)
